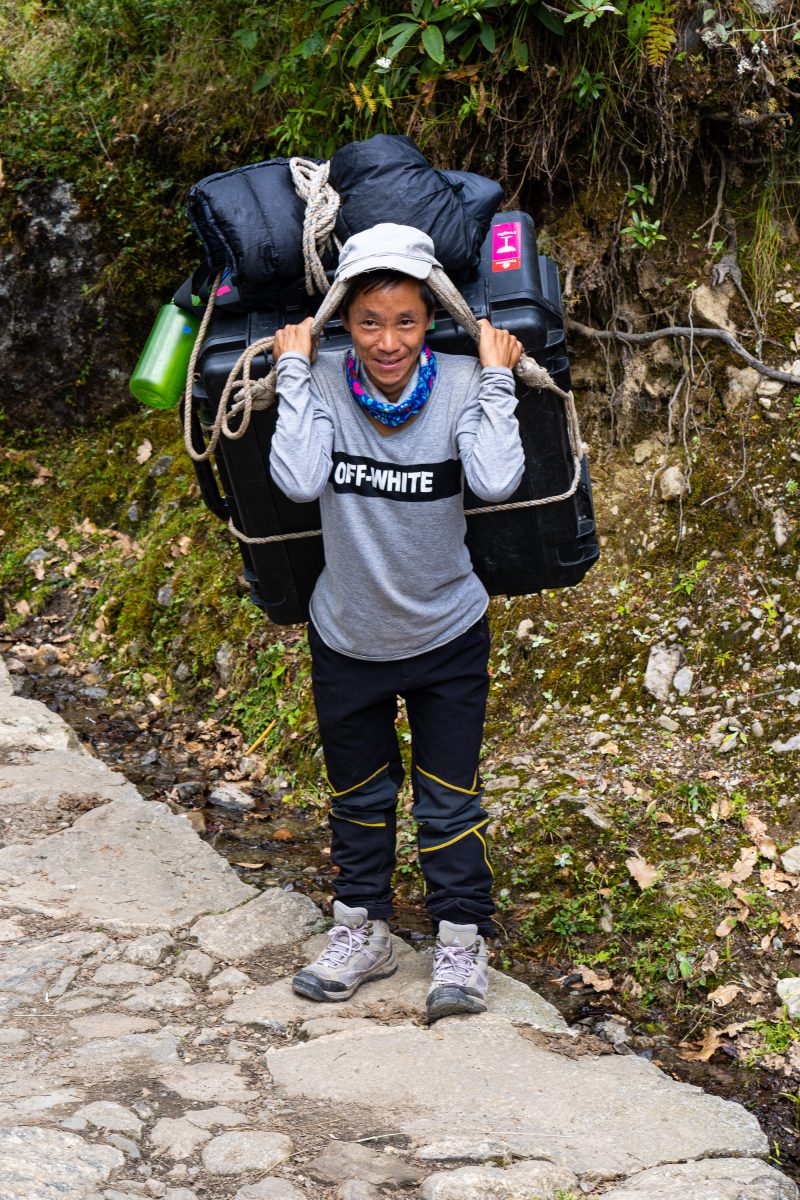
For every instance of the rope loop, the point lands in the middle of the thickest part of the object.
(310, 181)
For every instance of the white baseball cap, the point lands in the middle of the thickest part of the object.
(387, 247)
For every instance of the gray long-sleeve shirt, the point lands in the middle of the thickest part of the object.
(397, 580)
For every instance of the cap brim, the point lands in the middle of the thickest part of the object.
(384, 262)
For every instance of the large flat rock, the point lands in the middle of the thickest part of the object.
(31, 724)
(50, 1164)
(600, 1117)
(275, 918)
(400, 996)
(131, 864)
(42, 789)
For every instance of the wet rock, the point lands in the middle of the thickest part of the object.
(789, 991)
(274, 918)
(49, 1163)
(233, 1153)
(722, 1179)
(234, 798)
(662, 664)
(542, 1179)
(130, 864)
(348, 1160)
(539, 1103)
(672, 483)
(149, 951)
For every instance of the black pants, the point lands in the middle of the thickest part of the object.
(445, 692)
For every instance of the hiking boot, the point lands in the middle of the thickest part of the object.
(460, 972)
(358, 949)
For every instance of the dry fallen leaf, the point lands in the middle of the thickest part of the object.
(776, 880)
(663, 818)
(710, 959)
(282, 835)
(144, 451)
(720, 809)
(742, 868)
(609, 748)
(725, 927)
(758, 832)
(722, 996)
(644, 874)
(710, 1043)
(592, 979)
(23, 608)
(627, 787)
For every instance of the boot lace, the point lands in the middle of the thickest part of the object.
(452, 964)
(343, 943)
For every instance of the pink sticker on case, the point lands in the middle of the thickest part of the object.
(507, 246)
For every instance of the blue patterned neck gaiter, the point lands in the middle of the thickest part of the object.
(393, 414)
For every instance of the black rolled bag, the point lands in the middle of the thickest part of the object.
(250, 220)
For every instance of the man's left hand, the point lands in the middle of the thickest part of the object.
(498, 347)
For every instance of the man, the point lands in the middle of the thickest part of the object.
(383, 435)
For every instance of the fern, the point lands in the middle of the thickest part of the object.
(660, 37)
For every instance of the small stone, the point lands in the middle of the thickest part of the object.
(780, 528)
(180, 1194)
(790, 860)
(105, 1114)
(672, 483)
(149, 951)
(133, 513)
(219, 1115)
(177, 1137)
(128, 1148)
(155, 1187)
(667, 723)
(194, 964)
(682, 680)
(765, 402)
(663, 662)
(164, 595)
(183, 672)
(787, 747)
(232, 1153)
(169, 994)
(231, 797)
(769, 387)
(231, 979)
(117, 974)
(37, 555)
(522, 1181)
(757, 729)
(357, 1189)
(160, 466)
(225, 660)
(645, 450)
(464, 1150)
(269, 1188)
(347, 1160)
(524, 628)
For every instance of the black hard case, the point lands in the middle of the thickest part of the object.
(515, 551)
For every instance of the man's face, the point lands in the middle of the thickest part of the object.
(388, 328)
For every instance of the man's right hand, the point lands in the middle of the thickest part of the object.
(293, 338)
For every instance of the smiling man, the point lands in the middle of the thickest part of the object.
(384, 436)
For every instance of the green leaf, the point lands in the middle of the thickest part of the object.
(549, 19)
(247, 38)
(333, 10)
(708, 15)
(403, 25)
(488, 40)
(520, 52)
(433, 43)
(264, 80)
(457, 28)
(465, 50)
(401, 40)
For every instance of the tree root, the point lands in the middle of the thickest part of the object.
(681, 331)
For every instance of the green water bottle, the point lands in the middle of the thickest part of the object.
(159, 377)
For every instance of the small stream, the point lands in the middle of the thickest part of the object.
(277, 844)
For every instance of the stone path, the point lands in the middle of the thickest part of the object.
(151, 1046)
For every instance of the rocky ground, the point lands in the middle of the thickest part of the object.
(151, 1045)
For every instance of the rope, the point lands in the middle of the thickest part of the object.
(468, 512)
(310, 181)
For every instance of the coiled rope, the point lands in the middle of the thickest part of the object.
(322, 203)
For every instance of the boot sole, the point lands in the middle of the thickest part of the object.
(452, 1002)
(305, 983)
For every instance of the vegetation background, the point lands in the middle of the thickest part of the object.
(655, 143)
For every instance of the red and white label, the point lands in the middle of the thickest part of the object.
(507, 246)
